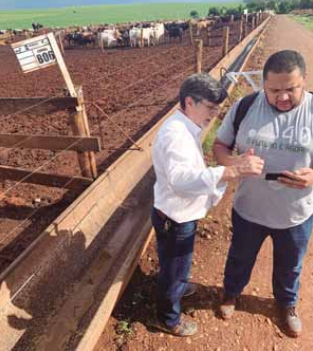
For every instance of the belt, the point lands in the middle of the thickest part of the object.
(161, 214)
(167, 221)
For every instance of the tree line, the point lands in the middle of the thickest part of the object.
(282, 6)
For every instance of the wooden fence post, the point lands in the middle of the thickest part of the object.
(262, 16)
(61, 42)
(101, 43)
(225, 40)
(141, 38)
(253, 22)
(198, 55)
(240, 31)
(245, 26)
(79, 121)
(190, 32)
(208, 37)
(80, 126)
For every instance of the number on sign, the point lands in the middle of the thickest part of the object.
(45, 57)
(51, 55)
(39, 58)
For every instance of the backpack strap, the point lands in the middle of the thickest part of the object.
(241, 112)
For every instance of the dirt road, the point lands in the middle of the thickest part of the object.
(256, 325)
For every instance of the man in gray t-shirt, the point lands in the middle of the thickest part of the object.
(278, 128)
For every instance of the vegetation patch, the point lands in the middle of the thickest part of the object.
(305, 20)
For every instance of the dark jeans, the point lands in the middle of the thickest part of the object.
(175, 243)
(289, 249)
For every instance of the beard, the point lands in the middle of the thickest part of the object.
(292, 104)
(285, 110)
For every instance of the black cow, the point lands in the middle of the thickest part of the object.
(71, 38)
(36, 26)
(174, 30)
(184, 26)
(124, 39)
(81, 39)
(86, 39)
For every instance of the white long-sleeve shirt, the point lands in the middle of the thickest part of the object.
(185, 188)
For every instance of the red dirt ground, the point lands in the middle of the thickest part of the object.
(134, 87)
(256, 325)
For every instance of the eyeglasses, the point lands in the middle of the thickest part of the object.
(211, 106)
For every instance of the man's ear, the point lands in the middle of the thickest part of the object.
(189, 101)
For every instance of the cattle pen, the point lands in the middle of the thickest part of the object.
(61, 276)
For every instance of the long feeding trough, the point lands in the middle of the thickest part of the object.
(60, 292)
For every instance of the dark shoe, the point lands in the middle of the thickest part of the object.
(227, 307)
(190, 290)
(184, 328)
(292, 321)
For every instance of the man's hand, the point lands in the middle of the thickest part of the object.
(245, 165)
(248, 164)
(300, 179)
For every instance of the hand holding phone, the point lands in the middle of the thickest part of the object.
(275, 176)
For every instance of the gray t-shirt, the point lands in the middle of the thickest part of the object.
(284, 141)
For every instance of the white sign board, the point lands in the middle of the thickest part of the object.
(245, 11)
(34, 53)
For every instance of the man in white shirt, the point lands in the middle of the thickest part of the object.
(184, 191)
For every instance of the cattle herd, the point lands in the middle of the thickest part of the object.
(135, 35)
(126, 35)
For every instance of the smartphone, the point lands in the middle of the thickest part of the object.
(275, 176)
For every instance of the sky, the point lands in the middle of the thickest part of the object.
(29, 4)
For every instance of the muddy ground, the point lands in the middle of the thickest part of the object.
(256, 325)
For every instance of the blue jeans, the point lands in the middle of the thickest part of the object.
(289, 245)
(175, 244)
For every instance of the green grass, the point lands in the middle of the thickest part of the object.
(85, 15)
(306, 21)
(208, 142)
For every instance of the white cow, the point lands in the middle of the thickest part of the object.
(108, 38)
(135, 36)
(157, 33)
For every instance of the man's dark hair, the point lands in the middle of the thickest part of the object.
(202, 87)
(284, 61)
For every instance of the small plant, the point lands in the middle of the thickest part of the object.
(123, 328)
(119, 341)
(208, 143)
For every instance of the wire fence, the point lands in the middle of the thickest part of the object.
(51, 253)
(106, 115)
(132, 85)
(99, 126)
(45, 164)
(47, 258)
(180, 75)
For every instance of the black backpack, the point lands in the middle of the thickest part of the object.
(241, 112)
